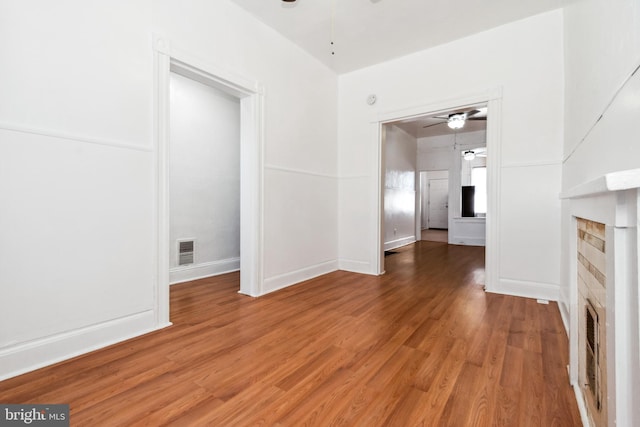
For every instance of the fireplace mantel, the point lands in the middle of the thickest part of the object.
(611, 199)
(614, 181)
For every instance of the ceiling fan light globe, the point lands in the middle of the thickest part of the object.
(469, 155)
(456, 122)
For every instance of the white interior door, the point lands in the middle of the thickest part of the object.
(439, 203)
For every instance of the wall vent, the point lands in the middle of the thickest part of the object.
(185, 252)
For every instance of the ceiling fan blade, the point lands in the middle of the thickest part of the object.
(477, 118)
(472, 113)
(435, 124)
(481, 155)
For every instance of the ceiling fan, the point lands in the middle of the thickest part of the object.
(457, 120)
(473, 153)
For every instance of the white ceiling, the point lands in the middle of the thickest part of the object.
(367, 32)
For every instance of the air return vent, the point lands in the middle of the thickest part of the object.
(185, 252)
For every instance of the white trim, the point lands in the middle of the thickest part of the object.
(527, 289)
(398, 243)
(275, 283)
(354, 176)
(614, 181)
(207, 71)
(202, 270)
(564, 314)
(439, 106)
(26, 357)
(57, 134)
(493, 99)
(467, 241)
(582, 409)
(355, 266)
(251, 95)
(161, 193)
(298, 171)
(494, 193)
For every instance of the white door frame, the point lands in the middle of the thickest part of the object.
(251, 96)
(493, 99)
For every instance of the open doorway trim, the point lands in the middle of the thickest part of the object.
(250, 93)
(493, 99)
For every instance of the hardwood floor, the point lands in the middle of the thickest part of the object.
(421, 345)
(435, 235)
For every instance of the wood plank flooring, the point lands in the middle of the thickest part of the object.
(422, 345)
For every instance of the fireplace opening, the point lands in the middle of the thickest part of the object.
(592, 351)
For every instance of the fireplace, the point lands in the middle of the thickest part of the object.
(592, 350)
(602, 306)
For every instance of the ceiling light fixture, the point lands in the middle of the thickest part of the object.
(469, 155)
(289, 1)
(457, 120)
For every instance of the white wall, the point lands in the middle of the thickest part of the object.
(77, 173)
(434, 153)
(602, 48)
(204, 178)
(399, 188)
(525, 60)
(76, 180)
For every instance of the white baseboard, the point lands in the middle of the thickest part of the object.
(584, 415)
(26, 357)
(564, 313)
(362, 267)
(282, 281)
(399, 242)
(467, 241)
(527, 289)
(202, 270)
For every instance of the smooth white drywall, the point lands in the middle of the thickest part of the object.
(75, 235)
(399, 187)
(77, 224)
(78, 163)
(204, 175)
(602, 107)
(602, 48)
(300, 125)
(525, 60)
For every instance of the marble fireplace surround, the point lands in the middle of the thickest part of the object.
(612, 199)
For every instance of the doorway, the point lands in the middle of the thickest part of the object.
(438, 203)
(250, 95)
(492, 99)
(204, 181)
